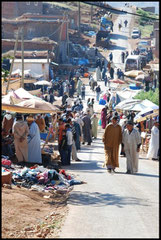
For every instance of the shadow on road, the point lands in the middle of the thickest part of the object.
(138, 174)
(115, 47)
(118, 36)
(85, 165)
(95, 198)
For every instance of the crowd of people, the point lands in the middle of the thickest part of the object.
(75, 125)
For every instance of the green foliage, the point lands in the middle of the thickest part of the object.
(146, 30)
(143, 20)
(4, 73)
(150, 95)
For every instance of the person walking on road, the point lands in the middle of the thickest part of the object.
(86, 129)
(83, 88)
(126, 22)
(69, 142)
(79, 85)
(112, 66)
(123, 57)
(119, 26)
(110, 56)
(131, 141)
(98, 91)
(112, 138)
(94, 122)
(154, 142)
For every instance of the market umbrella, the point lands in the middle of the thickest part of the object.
(141, 116)
(127, 103)
(43, 82)
(138, 107)
(38, 104)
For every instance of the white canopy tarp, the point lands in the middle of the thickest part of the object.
(127, 103)
(127, 94)
(150, 104)
(43, 82)
(27, 72)
(23, 94)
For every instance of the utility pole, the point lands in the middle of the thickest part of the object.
(68, 38)
(91, 13)
(79, 16)
(22, 49)
(15, 49)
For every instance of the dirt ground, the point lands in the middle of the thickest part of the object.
(31, 214)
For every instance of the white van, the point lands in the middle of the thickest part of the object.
(133, 62)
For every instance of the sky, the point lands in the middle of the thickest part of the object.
(137, 4)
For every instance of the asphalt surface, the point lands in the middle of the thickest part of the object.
(112, 205)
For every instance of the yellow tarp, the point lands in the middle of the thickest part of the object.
(19, 109)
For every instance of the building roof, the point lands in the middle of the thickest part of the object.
(30, 60)
(27, 54)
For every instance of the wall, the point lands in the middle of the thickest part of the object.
(9, 10)
(149, 9)
(156, 38)
(14, 9)
(33, 7)
(33, 30)
(156, 49)
(28, 45)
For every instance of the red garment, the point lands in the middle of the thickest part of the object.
(103, 118)
(61, 128)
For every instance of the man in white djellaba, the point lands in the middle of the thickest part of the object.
(131, 141)
(154, 142)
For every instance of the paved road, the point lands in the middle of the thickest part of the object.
(116, 205)
(112, 205)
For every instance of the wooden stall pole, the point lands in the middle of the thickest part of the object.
(22, 49)
(11, 68)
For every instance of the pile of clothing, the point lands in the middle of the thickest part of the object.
(42, 179)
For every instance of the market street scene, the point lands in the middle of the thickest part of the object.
(80, 120)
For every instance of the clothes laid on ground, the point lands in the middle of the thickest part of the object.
(43, 179)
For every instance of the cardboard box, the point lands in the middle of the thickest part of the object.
(6, 177)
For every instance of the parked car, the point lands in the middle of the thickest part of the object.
(143, 43)
(136, 33)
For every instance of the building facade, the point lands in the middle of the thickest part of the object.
(13, 9)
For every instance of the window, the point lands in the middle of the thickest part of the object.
(36, 3)
(27, 3)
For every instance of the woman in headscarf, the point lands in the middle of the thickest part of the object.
(34, 149)
(103, 117)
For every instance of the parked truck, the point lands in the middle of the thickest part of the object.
(106, 26)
